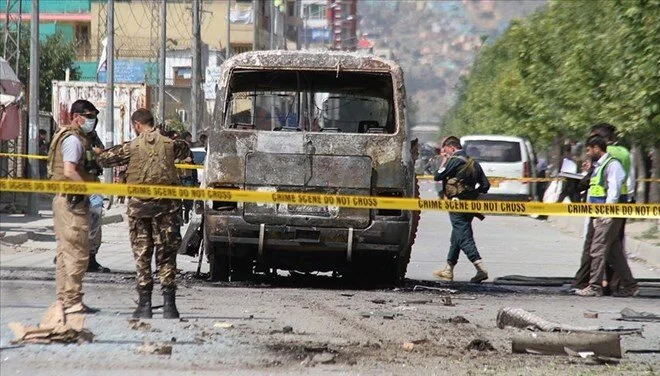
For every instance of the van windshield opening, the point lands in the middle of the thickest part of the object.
(312, 101)
(493, 151)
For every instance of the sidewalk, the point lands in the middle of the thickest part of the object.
(30, 242)
(641, 243)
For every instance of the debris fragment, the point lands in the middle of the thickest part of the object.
(149, 348)
(55, 326)
(457, 320)
(438, 289)
(519, 318)
(384, 315)
(408, 346)
(287, 329)
(324, 358)
(410, 302)
(136, 324)
(590, 315)
(480, 345)
(378, 301)
(600, 344)
(628, 314)
(446, 300)
(223, 325)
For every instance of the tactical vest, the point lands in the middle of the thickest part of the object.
(622, 155)
(152, 160)
(56, 159)
(597, 184)
(456, 186)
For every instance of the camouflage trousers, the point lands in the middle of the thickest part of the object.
(160, 234)
(95, 230)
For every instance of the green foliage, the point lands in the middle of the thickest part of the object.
(570, 65)
(56, 55)
(174, 124)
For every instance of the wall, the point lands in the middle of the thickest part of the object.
(128, 98)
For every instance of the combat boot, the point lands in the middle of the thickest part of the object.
(446, 274)
(169, 303)
(143, 310)
(482, 274)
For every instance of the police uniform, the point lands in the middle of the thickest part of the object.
(154, 224)
(71, 224)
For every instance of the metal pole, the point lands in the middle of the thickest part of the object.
(33, 131)
(227, 47)
(110, 86)
(272, 25)
(161, 68)
(196, 59)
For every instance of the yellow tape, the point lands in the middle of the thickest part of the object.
(30, 156)
(311, 199)
(420, 177)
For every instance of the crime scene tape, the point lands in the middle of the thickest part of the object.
(420, 177)
(30, 156)
(347, 201)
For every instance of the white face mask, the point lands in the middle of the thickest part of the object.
(89, 125)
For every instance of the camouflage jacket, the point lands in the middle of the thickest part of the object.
(120, 155)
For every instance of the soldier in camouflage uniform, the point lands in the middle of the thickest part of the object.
(153, 223)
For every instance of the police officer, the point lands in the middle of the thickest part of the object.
(463, 179)
(154, 224)
(69, 159)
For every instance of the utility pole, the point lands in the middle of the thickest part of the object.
(272, 25)
(161, 68)
(110, 86)
(196, 68)
(33, 147)
(227, 47)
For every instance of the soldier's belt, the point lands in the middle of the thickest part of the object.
(346, 201)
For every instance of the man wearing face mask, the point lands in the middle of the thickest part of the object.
(67, 161)
(154, 224)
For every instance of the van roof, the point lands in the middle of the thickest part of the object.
(492, 137)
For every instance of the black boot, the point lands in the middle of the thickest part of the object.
(94, 266)
(143, 310)
(169, 304)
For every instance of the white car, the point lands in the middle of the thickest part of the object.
(504, 157)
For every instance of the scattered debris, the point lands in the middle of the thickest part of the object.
(378, 301)
(480, 345)
(457, 320)
(346, 294)
(149, 348)
(590, 315)
(600, 344)
(408, 346)
(136, 324)
(628, 314)
(643, 351)
(55, 326)
(589, 355)
(446, 300)
(439, 289)
(223, 325)
(287, 329)
(411, 302)
(324, 358)
(384, 315)
(519, 318)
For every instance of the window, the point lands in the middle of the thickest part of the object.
(493, 151)
(311, 101)
(315, 12)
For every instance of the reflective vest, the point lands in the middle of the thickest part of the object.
(622, 155)
(597, 184)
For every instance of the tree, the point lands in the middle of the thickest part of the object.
(56, 55)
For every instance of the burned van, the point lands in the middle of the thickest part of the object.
(314, 122)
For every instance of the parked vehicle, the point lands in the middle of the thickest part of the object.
(505, 157)
(303, 121)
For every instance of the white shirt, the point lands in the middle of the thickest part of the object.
(72, 149)
(614, 177)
